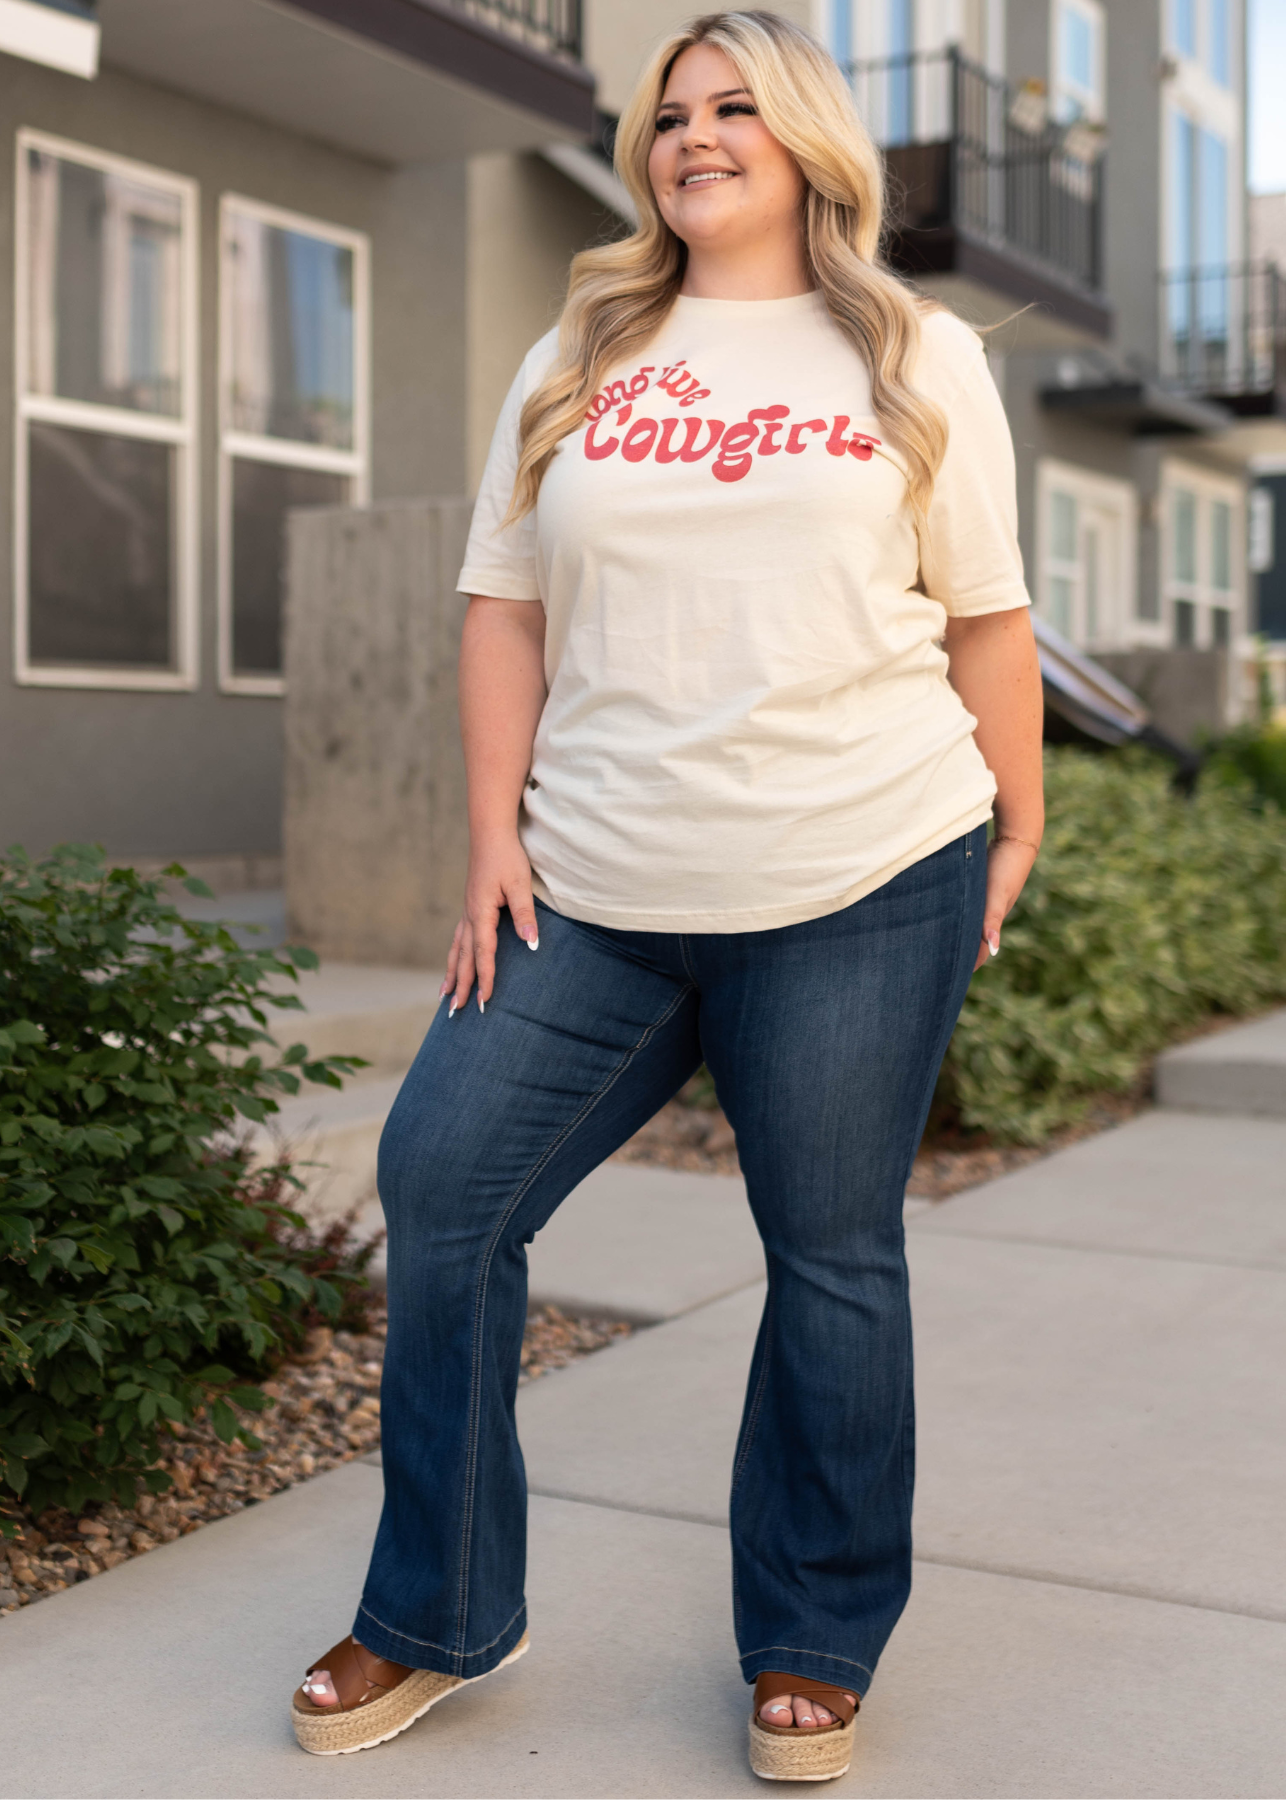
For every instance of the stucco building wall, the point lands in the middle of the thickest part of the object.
(199, 773)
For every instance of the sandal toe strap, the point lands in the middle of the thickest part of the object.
(771, 1684)
(359, 1676)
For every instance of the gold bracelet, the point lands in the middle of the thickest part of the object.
(1007, 837)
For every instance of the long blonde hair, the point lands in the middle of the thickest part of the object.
(619, 294)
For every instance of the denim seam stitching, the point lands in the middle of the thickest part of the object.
(475, 1394)
(428, 1643)
(752, 1418)
(821, 1655)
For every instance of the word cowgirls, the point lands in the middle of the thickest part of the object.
(763, 431)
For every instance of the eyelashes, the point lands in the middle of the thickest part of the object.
(728, 110)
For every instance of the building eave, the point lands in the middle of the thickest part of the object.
(1137, 407)
(1016, 281)
(398, 81)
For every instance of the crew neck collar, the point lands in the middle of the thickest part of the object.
(753, 309)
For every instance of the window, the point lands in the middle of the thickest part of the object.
(1199, 306)
(1086, 529)
(901, 22)
(1221, 546)
(1078, 61)
(841, 30)
(1183, 27)
(106, 345)
(1261, 552)
(1184, 565)
(293, 412)
(1202, 32)
(1203, 577)
(1218, 48)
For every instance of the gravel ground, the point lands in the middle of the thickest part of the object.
(327, 1412)
(700, 1139)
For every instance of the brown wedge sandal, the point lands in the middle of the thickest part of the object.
(801, 1752)
(377, 1698)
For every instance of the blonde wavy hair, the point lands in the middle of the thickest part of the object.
(619, 294)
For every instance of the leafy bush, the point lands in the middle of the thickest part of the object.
(134, 1260)
(1145, 912)
(1254, 754)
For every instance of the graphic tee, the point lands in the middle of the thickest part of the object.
(748, 721)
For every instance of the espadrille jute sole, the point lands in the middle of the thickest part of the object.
(339, 1733)
(800, 1756)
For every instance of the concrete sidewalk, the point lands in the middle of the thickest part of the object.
(1100, 1601)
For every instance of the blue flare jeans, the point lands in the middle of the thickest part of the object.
(824, 1040)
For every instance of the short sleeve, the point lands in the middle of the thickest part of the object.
(969, 556)
(500, 561)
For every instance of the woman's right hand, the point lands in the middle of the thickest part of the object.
(499, 876)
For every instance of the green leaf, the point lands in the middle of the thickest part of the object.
(224, 1421)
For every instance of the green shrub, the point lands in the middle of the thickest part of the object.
(1144, 913)
(135, 1263)
(1254, 754)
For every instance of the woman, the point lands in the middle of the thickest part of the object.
(747, 660)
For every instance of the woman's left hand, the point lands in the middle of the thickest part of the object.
(1009, 863)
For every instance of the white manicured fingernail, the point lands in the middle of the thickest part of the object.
(533, 943)
(482, 1005)
(454, 1004)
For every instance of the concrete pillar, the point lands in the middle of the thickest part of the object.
(375, 833)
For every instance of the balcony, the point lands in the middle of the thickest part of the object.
(553, 26)
(1223, 336)
(991, 204)
(399, 81)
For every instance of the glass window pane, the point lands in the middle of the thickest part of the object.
(1221, 546)
(1060, 604)
(1212, 212)
(1219, 46)
(1091, 583)
(1183, 179)
(105, 287)
(1183, 26)
(101, 594)
(262, 495)
(1185, 624)
(1185, 535)
(842, 30)
(1077, 48)
(292, 334)
(1221, 620)
(1062, 526)
(901, 96)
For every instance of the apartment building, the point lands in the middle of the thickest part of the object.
(278, 253)
(1101, 143)
(251, 256)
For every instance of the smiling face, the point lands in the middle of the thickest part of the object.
(723, 182)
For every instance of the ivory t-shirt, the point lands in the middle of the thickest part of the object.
(749, 721)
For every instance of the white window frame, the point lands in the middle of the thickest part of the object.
(1112, 495)
(181, 432)
(1093, 99)
(1207, 487)
(285, 452)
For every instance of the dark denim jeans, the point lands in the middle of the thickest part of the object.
(824, 1040)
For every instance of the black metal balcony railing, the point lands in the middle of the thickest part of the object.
(965, 148)
(553, 26)
(1223, 333)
